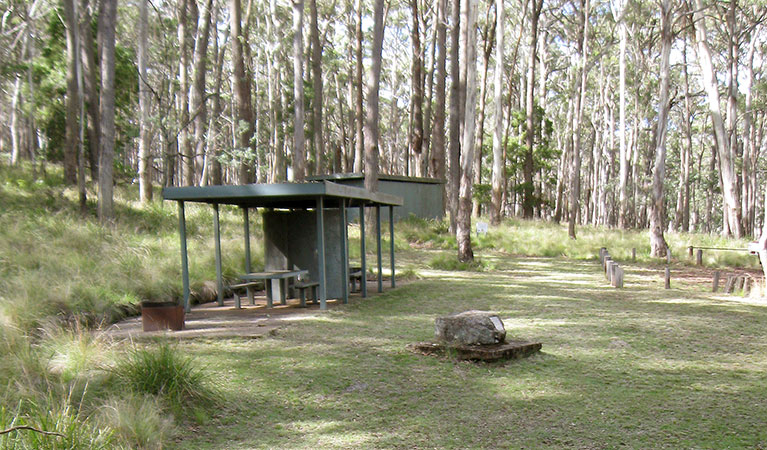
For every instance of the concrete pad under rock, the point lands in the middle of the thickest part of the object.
(487, 353)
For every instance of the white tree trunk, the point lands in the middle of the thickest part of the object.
(299, 158)
(497, 179)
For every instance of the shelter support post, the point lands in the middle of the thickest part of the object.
(246, 232)
(184, 259)
(344, 252)
(391, 242)
(321, 253)
(363, 262)
(378, 240)
(217, 238)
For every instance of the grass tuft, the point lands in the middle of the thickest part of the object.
(138, 421)
(162, 371)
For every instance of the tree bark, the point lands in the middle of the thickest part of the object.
(575, 173)
(90, 75)
(416, 99)
(144, 155)
(359, 155)
(244, 114)
(623, 155)
(71, 133)
(437, 155)
(658, 245)
(299, 157)
(107, 21)
(198, 99)
(184, 143)
(463, 234)
(729, 179)
(371, 122)
(454, 149)
(488, 34)
(317, 87)
(498, 163)
(528, 204)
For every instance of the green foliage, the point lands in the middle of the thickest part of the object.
(451, 263)
(137, 420)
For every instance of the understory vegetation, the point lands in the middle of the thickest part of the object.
(642, 366)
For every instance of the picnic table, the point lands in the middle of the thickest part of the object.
(282, 275)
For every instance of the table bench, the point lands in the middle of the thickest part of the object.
(355, 274)
(282, 275)
(302, 287)
(248, 286)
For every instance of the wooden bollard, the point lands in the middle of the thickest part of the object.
(609, 271)
(608, 259)
(668, 255)
(728, 286)
(633, 254)
(613, 272)
(715, 288)
(602, 252)
(689, 251)
(618, 277)
(668, 278)
(699, 257)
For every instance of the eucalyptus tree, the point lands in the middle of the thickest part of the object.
(658, 245)
(497, 176)
(107, 22)
(243, 114)
(372, 118)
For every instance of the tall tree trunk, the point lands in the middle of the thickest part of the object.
(244, 114)
(184, 143)
(71, 134)
(463, 234)
(359, 154)
(216, 175)
(437, 155)
(90, 75)
(144, 155)
(107, 21)
(575, 173)
(624, 160)
(498, 163)
(488, 34)
(198, 100)
(371, 122)
(529, 167)
(749, 148)
(683, 200)
(729, 179)
(658, 246)
(317, 102)
(299, 157)
(454, 149)
(15, 126)
(416, 100)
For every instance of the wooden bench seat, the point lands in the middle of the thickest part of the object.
(355, 275)
(248, 286)
(302, 287)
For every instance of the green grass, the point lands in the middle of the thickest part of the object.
(640, 367)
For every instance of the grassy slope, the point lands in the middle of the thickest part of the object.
(642, 367)
(53, 261)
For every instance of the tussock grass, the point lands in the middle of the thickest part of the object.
(163, 372)
(138, 421)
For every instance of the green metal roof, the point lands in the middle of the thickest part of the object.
(282, 195)
(382, 177)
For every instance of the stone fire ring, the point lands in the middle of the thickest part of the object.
(487, 353)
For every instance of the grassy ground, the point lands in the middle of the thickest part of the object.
(640, 367)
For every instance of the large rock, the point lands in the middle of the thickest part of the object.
(470, 328)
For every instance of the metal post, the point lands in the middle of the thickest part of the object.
(246, 232)
(217, 237)
(391, 243)
(184, 258)
(344, 252)
(363, 265)
(378, 240)
(321, 252)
